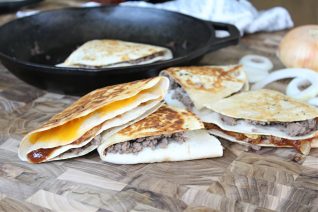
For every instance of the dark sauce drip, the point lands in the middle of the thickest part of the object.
(39, 155)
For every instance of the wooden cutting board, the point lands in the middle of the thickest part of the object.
(242, 180)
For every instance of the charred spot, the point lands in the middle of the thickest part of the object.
(179, 122)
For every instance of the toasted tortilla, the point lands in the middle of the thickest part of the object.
(97, 111)
(206, 85)
(209, 116)
(199, 145)
(265, 106)
(115, 53)
(260, 105)
(166, 120)
(109, 127)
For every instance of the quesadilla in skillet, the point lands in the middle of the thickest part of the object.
(71, 132)
(169, 134)
(115, 53)
(197, 87)
(264, 118)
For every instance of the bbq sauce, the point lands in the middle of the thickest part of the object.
(39, 155)
(272, 139)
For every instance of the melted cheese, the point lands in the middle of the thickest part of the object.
(71, 130)
(116, 105)
(67, 131)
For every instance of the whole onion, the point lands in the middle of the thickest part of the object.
(299, 48)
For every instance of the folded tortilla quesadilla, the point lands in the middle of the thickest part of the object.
(71, 132)
(264, 118)
(169, 134)
(115, 53)
(197, 87)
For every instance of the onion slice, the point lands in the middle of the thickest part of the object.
(293, 88)
(313, 101)
(256, 67)
(301, 76)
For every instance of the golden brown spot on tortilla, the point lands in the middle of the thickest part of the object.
(164, 120)
(88, 57)
(216, 76)
(151, 51)
(265, 105)
(125, 58)
(112, 42)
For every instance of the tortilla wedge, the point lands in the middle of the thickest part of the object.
(71, 132)
(115, 53)
(202, 86)
(265, 118)
(142, 141)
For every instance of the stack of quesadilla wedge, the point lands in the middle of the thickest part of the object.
(71, 132)
(264, 118)
(169, 134)
(115, 53)
(198, 87)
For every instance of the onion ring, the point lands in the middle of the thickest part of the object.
(313, 101)
(301, 73)
(256, 67)
(293, 88)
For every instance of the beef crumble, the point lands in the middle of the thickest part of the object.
(149, 57)
(296, 128)
(153, 142)
(179, 93)
(133, 62)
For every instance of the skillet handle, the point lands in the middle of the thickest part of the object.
(232, 39)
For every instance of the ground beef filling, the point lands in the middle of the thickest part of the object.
(297, 128)
(179, 93)
(146, 58)
(133, 62)
(153, 142)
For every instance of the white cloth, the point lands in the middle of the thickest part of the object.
(240, 13)
(24, 13)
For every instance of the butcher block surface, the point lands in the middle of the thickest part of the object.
(244, 179)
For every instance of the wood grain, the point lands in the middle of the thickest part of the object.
(242, 180)
(57, 202)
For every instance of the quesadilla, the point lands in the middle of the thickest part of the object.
(265, 118)
(115, 53)
(169, 134)
(197, 87)
(71, 132)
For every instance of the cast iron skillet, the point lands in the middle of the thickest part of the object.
(8, 5)
(30, 46)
